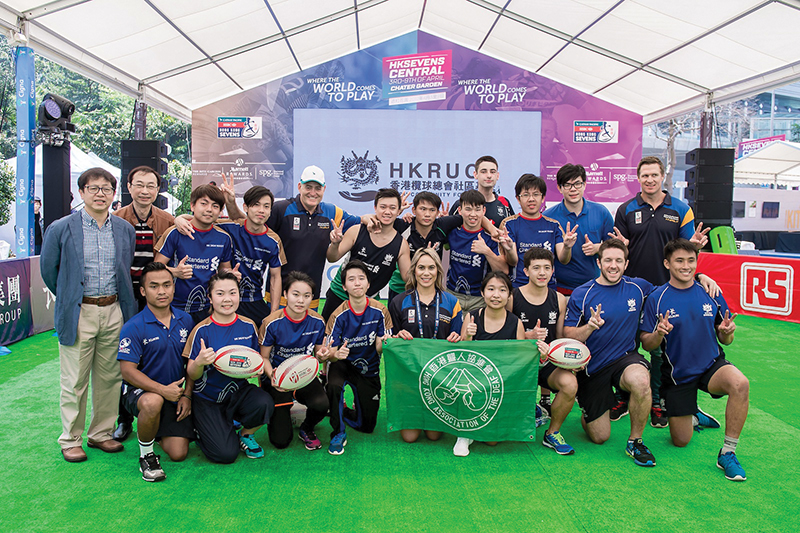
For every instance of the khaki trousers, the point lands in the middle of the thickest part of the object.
(94, 352)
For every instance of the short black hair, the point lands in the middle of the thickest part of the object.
(472, 197)
(296, 276)
(256, 193)
(388, 193)
(679, 244)
(612, 243)
(536, 253)
(220, 276)
(155, 266)
(96, 173)
(355, 264)
(530, 181)
(427, 196)
(145, 170)
(485, 159)
(568, 172)
(496, 274)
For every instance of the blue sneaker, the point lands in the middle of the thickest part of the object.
(555, 441)
(640, 453)
(250, 447)
(730, 464)
(338, 442)
(704, 420)
(541, 416)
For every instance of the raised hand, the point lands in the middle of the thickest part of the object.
(408, 218)
(205, 356)
(588, 247)
(444, 210)
(727, 326)
(336, 233)
(664, 327)
(343, 352)
(173, 391)
(373, 224)
(700, 237)
(324, 351)
(539, 332)
(404, 203)
(235, 272)
(472, 327)
(617, 235)
(504, 240)
(227, 187)
(479, 246)
(184, 227)
(596, 320)
(570, 236)
(182, 270)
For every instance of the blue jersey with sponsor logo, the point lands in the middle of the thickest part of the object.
(205, 252)
(360, 331)
(289, 338)
(621, 309)
(155, 348)
(255, 253)
(467, 268)
(213, 385)
(691, 347)
(527, 233)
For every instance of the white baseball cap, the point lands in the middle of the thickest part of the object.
(313, 173)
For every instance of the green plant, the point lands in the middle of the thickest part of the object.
(7, 192)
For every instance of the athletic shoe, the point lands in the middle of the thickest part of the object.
(250, 447)
(310, 440)
(555, 441)
(461, 449)
(730, 464)
(618, 411)
(541, 416)
(640, 453)
(150, 467)
(338, 442)
(545, 404)
(704, 420)
(658, 418)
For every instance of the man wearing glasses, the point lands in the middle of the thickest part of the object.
(592, 221)
(86, 261)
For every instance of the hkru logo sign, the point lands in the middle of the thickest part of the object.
(767, 288)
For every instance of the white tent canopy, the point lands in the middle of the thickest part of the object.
(777, 163)
(656, 58)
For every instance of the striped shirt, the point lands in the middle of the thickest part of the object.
(99, 254)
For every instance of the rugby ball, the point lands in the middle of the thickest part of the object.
(237, 361)
(295, 372)
(568, 354)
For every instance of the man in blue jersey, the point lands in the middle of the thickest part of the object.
(473, 253)
(153, 370)
(595, 224)
(646, 223)
(689, 325)
(193, 260)
(604, 314)
(357, 329)
(258, 251)
(531, 229)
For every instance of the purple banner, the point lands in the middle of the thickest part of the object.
(748, 147)
(16, 321)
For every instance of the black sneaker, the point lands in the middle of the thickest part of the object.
(640, 453)
(545, 404)
(658, 418)
(150, 467)
(618, 411)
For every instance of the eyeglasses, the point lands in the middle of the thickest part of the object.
(575, 185)
(94, 189)
(526, 195)
(149, 187)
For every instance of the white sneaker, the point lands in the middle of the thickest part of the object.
(461, 449)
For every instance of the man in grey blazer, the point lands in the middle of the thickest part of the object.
(86, 262)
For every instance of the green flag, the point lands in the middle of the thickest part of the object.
(482, 390)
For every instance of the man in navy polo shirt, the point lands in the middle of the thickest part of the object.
(153, 370)
(593, 220)
(646, 223)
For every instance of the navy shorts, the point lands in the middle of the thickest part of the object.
(544, 374)
(681, 400)
(169, 426)
(596, 392)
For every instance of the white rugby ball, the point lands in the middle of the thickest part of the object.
(568, 353)
(237, 361)
(295, 372)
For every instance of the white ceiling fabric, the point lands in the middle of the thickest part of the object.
(776, 163)
(653, 57)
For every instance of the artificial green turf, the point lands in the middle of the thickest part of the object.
(382, 484)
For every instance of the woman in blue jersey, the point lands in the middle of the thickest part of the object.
(425, 311)
(218, 400)
(289, 332)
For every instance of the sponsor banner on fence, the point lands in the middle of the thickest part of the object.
(758, 286)
(483, 390)
(16, 321)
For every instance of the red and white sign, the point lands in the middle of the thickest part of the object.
(754, 285)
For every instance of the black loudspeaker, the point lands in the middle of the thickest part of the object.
(709, 192)
(703, 174)
(719, 157)
(56, 178)
(709, 189)
(148, 153)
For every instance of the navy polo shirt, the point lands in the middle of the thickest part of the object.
(595, 221)
(306, 236)
(403, 311)
(155, 348)
(649, 230)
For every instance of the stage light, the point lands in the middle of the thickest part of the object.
(55, 114)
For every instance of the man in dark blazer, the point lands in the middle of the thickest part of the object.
(86, 262)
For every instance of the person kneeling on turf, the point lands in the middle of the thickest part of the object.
(153, 371)
(689, 325)
(218, 400)
(289, 332)
(356, 329)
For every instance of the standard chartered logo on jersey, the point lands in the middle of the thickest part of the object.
(462, 388)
